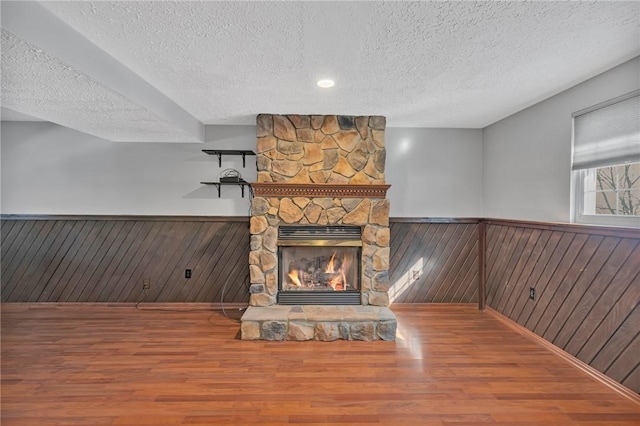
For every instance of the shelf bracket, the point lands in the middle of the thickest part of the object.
(243, 165)
(219, 154)
(218, 186)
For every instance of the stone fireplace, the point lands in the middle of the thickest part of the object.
(319, 174)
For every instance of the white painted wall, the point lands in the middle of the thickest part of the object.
(434, 172)
(49, 169)
(527, 156)
(517, 168)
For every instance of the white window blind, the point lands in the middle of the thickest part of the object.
(607, 134)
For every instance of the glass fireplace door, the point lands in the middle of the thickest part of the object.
(319, 268)
(319, 265)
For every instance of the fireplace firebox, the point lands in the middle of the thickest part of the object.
(319, 265)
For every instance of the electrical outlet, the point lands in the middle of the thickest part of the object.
(187, 273)
(532, 293)
(146, 284)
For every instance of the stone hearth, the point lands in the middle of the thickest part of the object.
(325, 323)
(319, 170)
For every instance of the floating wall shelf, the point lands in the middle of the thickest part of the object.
(221, 152)
(219, 184)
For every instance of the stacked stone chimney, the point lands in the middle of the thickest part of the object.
(320, 170)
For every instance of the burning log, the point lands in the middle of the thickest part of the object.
(294, 279)
(320, 271)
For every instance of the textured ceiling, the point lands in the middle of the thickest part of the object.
(39, 85)
(420, 64)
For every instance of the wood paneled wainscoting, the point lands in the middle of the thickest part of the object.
(107, 258)
(434, 260)
(587, 289)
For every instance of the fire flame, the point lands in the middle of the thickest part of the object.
(293, 276)
(331, 266)
(337, 282)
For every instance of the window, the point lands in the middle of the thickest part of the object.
(606, 162)
(613, 190)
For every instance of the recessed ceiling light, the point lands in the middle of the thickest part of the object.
(325, 84)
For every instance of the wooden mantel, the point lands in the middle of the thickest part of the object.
(316, 190)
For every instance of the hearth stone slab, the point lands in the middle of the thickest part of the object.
(312, 322)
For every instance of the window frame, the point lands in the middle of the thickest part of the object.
(578, 181)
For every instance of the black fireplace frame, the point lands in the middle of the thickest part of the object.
(326, 236)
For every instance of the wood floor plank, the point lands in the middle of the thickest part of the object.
(451, 364)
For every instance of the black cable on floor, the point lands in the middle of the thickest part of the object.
(146, 293)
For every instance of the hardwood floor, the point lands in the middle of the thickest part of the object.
(451, 365)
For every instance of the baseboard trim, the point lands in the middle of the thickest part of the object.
(144, 305)
(148, 218)
(433, 304)
(575, 362)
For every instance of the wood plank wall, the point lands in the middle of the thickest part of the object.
(434, 261)
(587, 290)
(106, 259)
